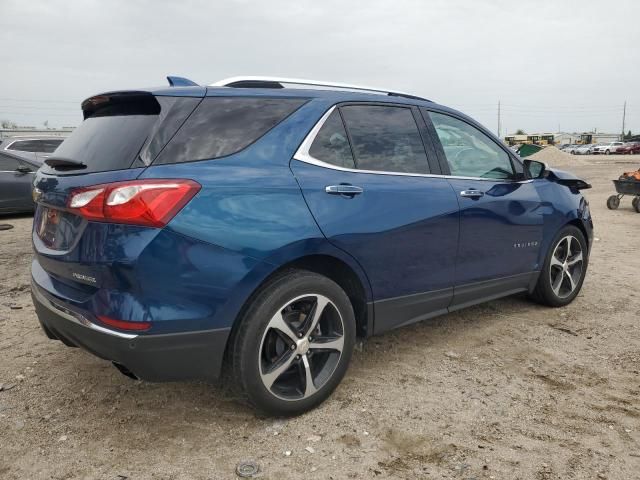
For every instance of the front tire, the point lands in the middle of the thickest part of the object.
(564, 269)
(293, 344)
(635, 203)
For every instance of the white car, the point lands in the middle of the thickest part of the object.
(570, 148)
(608, 148)
(584, 149)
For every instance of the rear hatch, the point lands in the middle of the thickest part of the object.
(121, 135)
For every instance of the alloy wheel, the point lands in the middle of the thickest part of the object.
(301, 347)
(567, 266)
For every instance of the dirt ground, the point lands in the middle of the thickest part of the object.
(505, 390)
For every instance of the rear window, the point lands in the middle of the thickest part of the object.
(123, 131)
(222, 126)
(385, 138)
(36, 146)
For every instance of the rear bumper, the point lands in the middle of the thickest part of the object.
(162, 357)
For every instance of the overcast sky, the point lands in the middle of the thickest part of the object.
(567, 64)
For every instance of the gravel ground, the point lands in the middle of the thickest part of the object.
(505, 390)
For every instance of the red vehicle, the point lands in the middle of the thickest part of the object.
(629, 148)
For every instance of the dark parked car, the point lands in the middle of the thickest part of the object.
(258, 230)
(630, 148)
(16, 179)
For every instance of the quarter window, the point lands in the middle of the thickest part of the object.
(222, 126)
(469, 152)
(385, 138)
(331, 145)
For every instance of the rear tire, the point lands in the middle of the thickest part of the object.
(636, 204)
(564, 269)
(293, 344)
(613, 202)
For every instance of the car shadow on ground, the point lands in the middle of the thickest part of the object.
(111, 393)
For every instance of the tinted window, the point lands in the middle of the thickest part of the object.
(331, 145)
(385, 138)
(8, 164)
(222, 126)
(123, 131)
(107, 142)
(469, 152)
(41, 146)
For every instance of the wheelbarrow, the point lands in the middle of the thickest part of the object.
(625, 187)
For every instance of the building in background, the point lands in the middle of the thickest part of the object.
(561, 138)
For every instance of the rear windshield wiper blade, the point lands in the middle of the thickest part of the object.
(61, 163)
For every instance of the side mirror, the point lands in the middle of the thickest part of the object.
(23, 169)
(536, 169)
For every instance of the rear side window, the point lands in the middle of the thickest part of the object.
(385, 138)
(222, 126)
(40, 146)
(331, 145)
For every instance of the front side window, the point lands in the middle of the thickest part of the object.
(385, 138)
(331, 144)
(470, 152)
(8, 164)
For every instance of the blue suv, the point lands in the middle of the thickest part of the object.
(254, 229)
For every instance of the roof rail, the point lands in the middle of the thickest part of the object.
(278, 82)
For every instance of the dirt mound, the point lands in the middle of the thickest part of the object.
(556, 158)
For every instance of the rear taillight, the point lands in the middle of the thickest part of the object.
(151, 203)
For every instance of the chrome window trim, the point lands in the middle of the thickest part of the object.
(75, 317)
(302, 155)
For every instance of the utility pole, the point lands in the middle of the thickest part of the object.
(499, 119)
(624, 114)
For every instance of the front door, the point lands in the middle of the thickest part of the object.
(370, 190)
(501, 219)
(15, 185)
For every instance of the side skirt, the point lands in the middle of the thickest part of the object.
(400, 311)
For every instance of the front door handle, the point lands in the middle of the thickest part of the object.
(343, 190)
(471, 193)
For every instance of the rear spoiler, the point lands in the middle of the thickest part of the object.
(119, 103)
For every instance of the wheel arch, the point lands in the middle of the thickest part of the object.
(353, 282)
(576, 222)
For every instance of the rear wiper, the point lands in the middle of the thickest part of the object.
(61, 163)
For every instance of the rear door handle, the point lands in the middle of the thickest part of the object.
(343, 190)
(471, 193)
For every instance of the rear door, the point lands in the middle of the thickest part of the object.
(16, 178)
(373, 188)
(501, 214)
